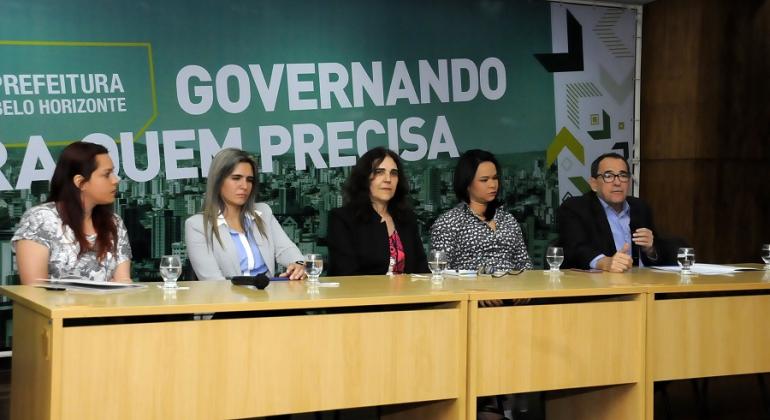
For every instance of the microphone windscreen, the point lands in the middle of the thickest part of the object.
(260, 281)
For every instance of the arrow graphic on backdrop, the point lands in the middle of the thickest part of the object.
(580, 183)
(619, 91)
(575, 91)
(606, 130)
(605, 31)
(572, 60)
(622, 147)
(564, 139)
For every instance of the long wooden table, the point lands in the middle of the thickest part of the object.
(371, 341)
(598, 340)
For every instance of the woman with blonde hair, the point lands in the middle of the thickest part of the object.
(234, 235)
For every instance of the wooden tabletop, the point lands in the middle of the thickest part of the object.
(657, 281)
(539, 283)
(220, 296)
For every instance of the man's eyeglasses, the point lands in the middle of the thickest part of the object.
(609, 177)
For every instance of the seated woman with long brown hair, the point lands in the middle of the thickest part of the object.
(76, 234)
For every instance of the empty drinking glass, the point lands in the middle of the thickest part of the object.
(437, 263)
(314, 264)
(170, 270)
(554, 255)
(766, 255)
(685, 257)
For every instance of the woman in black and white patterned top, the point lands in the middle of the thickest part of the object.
(478, 233)
(76, 234)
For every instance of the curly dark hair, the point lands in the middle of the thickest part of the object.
(465, 171)
(356, 189)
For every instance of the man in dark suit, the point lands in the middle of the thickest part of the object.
(606, 229)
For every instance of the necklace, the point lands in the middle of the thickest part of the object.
(479, 216)
(490, 223)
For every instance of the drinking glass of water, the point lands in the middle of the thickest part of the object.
(685, 257)
(170, 270)
(437, 263)
(766, 255)
(314, 264)
(554, 255)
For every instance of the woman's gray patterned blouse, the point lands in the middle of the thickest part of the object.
(43, 225)
(469, 243)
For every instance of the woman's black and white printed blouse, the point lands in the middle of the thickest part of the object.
(44, 225)
(469, 243)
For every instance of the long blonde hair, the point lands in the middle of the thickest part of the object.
(222, 166)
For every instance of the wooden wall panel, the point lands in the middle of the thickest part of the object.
(705, 124)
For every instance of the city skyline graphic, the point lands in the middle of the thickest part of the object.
(155, 211)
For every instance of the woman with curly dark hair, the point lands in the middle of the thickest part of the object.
(375, 231)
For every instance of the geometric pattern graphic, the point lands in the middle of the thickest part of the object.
(618, 91)
(572, 60)
(596, 104)
(575, 91)
(564, 140)
(605, 31)
(622, 148)
(580, 183)
(605, 132)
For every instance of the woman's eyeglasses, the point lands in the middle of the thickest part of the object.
(490, 270)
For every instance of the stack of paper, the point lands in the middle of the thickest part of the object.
(707, 269)
(87, 285)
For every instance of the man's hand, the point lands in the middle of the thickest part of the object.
(619, 262)
(644, 238)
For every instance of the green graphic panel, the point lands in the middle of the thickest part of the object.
(235, 49)
(63, 90)
(215, 34)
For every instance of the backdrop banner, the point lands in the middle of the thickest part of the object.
(307, 86)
